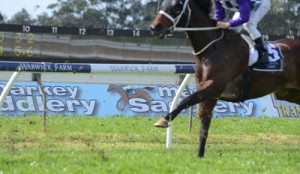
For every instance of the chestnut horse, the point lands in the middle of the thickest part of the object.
(221, 61)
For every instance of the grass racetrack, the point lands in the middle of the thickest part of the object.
(132, 145)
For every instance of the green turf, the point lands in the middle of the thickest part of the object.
(133, 145)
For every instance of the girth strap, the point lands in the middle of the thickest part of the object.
(246, 83)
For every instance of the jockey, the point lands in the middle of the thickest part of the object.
(247, 15)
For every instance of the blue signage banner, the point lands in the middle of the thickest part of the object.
(25, 98)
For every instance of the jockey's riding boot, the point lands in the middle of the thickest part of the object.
(262, 52)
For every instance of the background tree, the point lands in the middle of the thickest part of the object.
(283, 18)
(1, 18)
(22, 17)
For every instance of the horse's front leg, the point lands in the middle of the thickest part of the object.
(205, 114)
(206, 92)
(184, 104)
(122, 101)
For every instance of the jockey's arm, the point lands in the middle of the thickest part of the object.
(244, 9)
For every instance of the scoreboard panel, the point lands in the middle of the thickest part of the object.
(90, 45)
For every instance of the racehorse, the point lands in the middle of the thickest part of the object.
(125, 96)
(222, 62)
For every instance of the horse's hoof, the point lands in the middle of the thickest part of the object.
(163, 123)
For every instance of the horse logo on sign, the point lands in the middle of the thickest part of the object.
(127, 92)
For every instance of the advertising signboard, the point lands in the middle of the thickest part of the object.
(25, 98)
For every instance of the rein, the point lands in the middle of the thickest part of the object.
(177, 19)
(208, 45)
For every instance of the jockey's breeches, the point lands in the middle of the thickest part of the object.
(256, 15)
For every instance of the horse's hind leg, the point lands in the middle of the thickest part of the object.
(290, 95)
(205, 113)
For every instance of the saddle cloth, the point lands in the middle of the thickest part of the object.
(274, 59)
